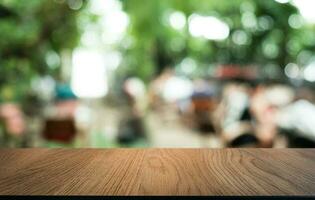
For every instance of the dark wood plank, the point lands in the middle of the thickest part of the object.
(157, 172)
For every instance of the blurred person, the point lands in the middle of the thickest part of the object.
(297, 120)
(14, 126)
(232, 114)
(265, 104)
(157, 86)
(131, 128)
(65, 101)
(136, 92)
(169, 95)
(264, 117)
(59, 125)
(202, 105)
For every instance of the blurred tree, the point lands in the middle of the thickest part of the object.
(265, 33)
(33, 35)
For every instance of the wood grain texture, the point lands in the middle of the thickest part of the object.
(157, 172)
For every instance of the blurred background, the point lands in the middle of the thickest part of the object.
(158, 73)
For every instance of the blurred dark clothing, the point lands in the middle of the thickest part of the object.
(131, 126)
(130, 130)
(295, 140)
(244, 140)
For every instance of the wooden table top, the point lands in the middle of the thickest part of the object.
(157, 172)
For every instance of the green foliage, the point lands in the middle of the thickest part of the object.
(271, 40)
(33, 35)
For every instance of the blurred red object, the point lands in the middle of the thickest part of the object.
(61, 127)
(235, 71)
(60, 130)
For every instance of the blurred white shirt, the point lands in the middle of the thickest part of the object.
(299, 116)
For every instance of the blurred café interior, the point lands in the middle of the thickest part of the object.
(158, 73)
